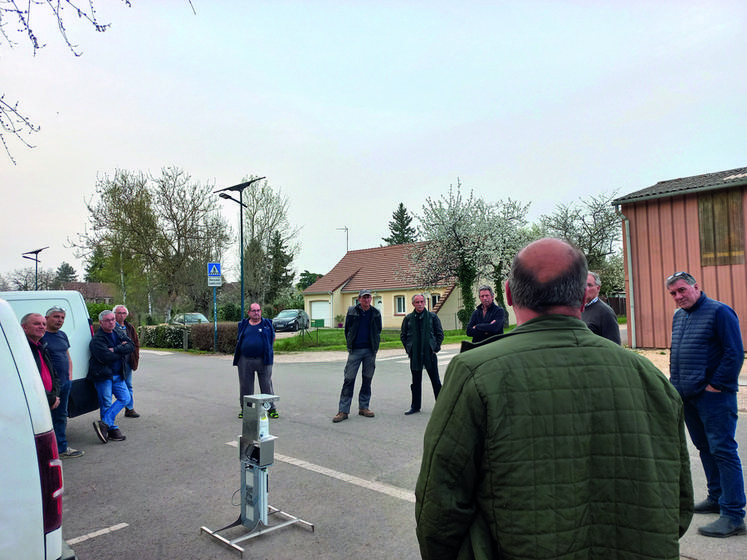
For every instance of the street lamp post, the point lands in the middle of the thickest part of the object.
(35, 258)
(240, 187)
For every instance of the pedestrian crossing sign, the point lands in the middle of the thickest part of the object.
(214, 275)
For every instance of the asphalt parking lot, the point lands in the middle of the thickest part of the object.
(178, 470)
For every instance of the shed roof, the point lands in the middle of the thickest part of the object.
(378, 268)
(686, 185)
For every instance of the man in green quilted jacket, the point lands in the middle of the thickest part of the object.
(551, 442)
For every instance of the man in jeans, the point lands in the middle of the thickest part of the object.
(58, 347)
(363, 334)
(706, 358)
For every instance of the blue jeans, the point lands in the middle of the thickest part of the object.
(711, 420)
(106, 388)
(128, 382)
(59, 415)
(355, 358)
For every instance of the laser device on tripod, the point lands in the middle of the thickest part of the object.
(256, 454)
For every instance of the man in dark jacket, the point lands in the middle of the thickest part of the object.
(362, 334)
(133, 360)
(421, 335)
(35, 325)
(705, 361)
(488, 319)
(549, 442)
(106, 367)
(598, 316)
(254, 354)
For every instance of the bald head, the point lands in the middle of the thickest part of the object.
(548, 276)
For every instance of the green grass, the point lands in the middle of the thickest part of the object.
(334, 339)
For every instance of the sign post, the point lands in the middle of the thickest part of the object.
(215, 280)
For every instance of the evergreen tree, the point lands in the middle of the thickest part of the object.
(399, 228)
(281, 275)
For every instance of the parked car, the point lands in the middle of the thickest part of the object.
(31, 482)
(189, 319)
(291, 320)
(79, 329)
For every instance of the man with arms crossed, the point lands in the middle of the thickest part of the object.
(551, 443)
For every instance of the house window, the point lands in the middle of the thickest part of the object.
(400, 305)
(721, 225)
(434, 300)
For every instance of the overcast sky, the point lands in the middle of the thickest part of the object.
(350, 107)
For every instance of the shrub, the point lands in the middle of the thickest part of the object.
(95, 308)
(203, 336)
(229, 312)
(161, 336)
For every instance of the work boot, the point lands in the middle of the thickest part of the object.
(130, 413)
(707, 506)
(367, 412)
(339, 417)
(723, 527)
(115, 434)
(102, 430)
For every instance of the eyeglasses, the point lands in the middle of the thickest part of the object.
(683, 275)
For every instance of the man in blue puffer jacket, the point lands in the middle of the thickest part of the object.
(706, 358)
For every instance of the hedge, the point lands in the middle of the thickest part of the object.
(201, 336)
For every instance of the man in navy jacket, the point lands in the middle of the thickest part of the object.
(706, 358)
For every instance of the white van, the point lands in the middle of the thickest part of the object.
(78, 328)
(31, 480)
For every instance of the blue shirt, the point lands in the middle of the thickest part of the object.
(252, 345)
(58, 344)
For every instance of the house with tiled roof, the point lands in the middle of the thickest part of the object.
(693, 224)
(389, 274)
(93, 292)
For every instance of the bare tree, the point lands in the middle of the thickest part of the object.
(13, 122)
(168, 224)
(591, 225)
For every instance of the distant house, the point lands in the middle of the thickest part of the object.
(387, 272)
(93, 292)
(695, 224)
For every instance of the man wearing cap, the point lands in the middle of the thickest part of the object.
(58, 346)
(704, 365)
(362, 334)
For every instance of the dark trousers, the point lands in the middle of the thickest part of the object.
(430, 363)
(247, 368)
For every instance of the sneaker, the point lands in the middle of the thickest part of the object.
(707, 506)
(130, 413)
(272, 413)
(367, 412)
(723, 527)
(102, 430)
(71, 453)
(339, 417)
(115, 434)
(241, 415)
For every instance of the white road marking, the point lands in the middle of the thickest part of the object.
(95, 534)
(393, 491)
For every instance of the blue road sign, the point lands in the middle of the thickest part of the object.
(213, 270)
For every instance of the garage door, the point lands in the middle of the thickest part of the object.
(320, 310)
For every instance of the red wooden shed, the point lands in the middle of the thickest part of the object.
(695, 224)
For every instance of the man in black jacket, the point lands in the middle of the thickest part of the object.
(487, 320)
(106, 368)
(421, 335)
(35, 325)
(362, 334)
